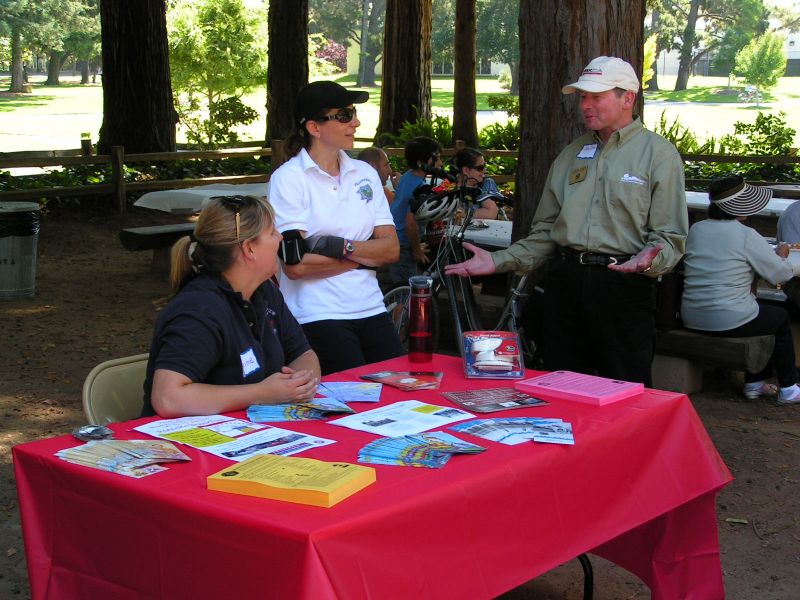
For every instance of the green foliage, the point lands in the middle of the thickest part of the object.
(440, 128)
(510, 104)
(683, 139)
(762, 62)
(649, 57)
(218, 128)
(496, 136)
(217, 54)
(768, 135)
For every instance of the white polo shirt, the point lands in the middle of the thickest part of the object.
(307, 198)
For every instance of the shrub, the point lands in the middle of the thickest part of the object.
(504, 79)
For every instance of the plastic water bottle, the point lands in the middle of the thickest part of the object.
(420, 319)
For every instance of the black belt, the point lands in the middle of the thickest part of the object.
(594, 259)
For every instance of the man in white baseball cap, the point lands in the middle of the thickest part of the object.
(612, 218)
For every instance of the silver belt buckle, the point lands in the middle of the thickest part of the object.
(612, 260)
(581, 257)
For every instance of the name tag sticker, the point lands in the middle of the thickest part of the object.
(249, 362)
(578, 174)
(588, 151)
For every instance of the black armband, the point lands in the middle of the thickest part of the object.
(292, 247)
(326, 245)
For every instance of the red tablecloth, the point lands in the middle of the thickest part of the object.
(638, 488)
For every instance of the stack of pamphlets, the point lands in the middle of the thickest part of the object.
(579, 387)
(234, 439)
(493, 399)
(516, 430)
(407, 380)
(318, 408)
(133, 458)
(301, 480)
(430, 450)
(402, 418)
(492, 355)
(351, 391)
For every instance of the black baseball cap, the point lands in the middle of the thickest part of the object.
(319, 95)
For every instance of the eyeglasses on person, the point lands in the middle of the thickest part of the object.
(343, 115)
(479, 167)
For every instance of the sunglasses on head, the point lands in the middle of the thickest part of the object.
(343, 115)
(234, 203)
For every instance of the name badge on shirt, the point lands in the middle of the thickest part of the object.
(578, 174)
(249, 362)
(588, 151)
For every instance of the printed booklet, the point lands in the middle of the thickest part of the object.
(301, 480)
(492, 355)
(589, 389)
(493, 399)
(407, 380)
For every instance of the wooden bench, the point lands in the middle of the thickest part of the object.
(681, 356)
(158, 238)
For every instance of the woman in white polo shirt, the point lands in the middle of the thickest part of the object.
(337, 229)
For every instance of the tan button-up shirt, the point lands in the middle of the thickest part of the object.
(614, 198)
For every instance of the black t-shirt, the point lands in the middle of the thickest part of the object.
(210, 334)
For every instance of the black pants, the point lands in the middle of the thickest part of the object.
(770, 320)
(599, 321)
(344, 344)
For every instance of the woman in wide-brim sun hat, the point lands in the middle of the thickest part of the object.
(722, 257)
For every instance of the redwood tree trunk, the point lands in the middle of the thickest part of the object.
(287, 71)
(406, 89)
(552, 54)
(54, 62)
(465, 105)
(138, 110)
(17, 74)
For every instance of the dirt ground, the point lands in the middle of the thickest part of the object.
(95, 300)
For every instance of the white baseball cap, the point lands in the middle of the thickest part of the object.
(605, 73)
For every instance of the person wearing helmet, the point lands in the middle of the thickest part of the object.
(471, 166)
(612, 218)
(337, 229)
(421, 153)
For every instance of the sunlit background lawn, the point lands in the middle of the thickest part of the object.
(55, 117)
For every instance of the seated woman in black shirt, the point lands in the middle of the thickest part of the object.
(226, 340)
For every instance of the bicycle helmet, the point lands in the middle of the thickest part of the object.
(433, 206)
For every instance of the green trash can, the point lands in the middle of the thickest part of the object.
(19, 235)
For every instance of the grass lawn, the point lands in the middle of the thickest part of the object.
(55, 117)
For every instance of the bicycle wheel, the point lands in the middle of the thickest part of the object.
(396, 302)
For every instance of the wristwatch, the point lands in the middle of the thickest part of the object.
(348, 248)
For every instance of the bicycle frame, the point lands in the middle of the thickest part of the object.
(464, 310)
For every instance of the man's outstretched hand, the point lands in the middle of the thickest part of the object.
(639, 263)
(480, 264)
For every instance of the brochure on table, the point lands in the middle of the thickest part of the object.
(402, 418)
(234, 439)
(493, 399)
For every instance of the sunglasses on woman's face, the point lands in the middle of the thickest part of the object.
(479, 167)
(343, 115)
